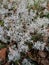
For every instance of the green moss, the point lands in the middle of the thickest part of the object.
(47, 15)
(30, 44)
(1, 23)
(42, 15)
(36, 37)
(2, 46)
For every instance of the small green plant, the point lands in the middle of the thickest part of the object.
(37, 4)
(17, 62)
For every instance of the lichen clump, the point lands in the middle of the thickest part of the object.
(24, 27)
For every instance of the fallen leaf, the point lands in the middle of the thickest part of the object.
(42, 54)
(3, 54)
(48, 6)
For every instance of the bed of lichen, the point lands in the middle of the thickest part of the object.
(24, 32)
